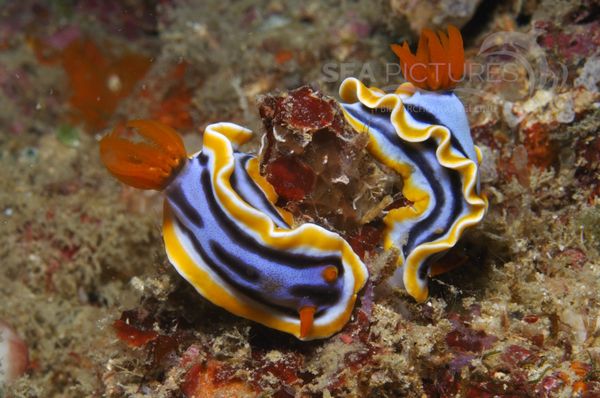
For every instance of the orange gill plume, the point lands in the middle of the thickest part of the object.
(149, 163)
(438, 63)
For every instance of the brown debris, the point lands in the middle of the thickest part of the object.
(319, 165)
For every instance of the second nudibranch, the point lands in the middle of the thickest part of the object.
(425, 137)
(223, 233)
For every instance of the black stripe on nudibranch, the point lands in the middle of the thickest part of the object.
(255, 197)
(319, 295)
(292, 260)
(442, 195)
(186, 208)
(235, 263)
(420, 114)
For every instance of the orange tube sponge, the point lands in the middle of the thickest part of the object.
(149, 163)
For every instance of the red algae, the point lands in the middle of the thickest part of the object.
(191, 380)
(531, 318)
(516, 355)
(131, 335)
(134, 327)
(306, 110)
(164, 349)
(366, 238)
(293, 179)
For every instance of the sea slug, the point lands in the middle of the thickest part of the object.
(425, 137)
(224, 235)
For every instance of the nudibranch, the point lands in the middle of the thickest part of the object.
(425, 137)
(224, 235)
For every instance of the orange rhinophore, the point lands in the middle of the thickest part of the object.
(438, 63)
(307, 318)
(146, 164)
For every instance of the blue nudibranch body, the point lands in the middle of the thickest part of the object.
(224, 235)
(425, 137)
(221, 227)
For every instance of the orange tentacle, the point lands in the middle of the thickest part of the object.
(162, 135)
(436, 60)
(423, 48)
(443, 39)
(412, 65)
(456, 53)
(438, 63)
(147, 164)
